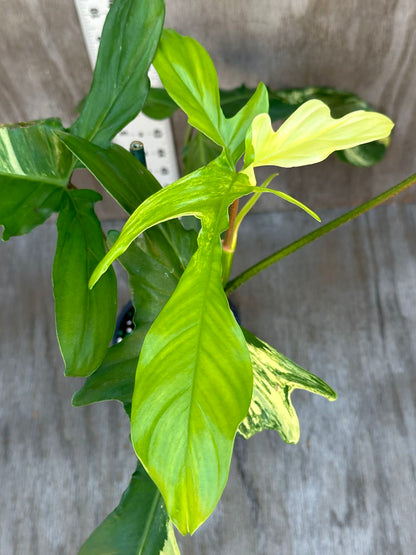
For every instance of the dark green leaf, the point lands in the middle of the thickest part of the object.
(85, 319)
(138, 525)
(198, 152)
(114, 379)
(159, 104)
(151, 284)
(120, 84)
(130, 183)
(34, 168)
(365, 155)
(275, 377)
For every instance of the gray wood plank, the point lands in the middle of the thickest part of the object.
(344, 308)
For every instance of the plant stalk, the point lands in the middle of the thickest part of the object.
(299, 243)
(228, 244)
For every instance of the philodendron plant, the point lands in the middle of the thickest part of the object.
(189, 376)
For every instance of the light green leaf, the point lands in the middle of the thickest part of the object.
(130, 183)
(310, 135)
(120, 83)
(193, 386)
(207, 191)
(235, 129)
(189, 76)
(138, 525)
(85, 319)
(194, 375)
(34, 169)
(275, 377)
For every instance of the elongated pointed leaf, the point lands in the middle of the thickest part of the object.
(189, 76)
(114, 379)
(207, 191)
(275, 377)
(85, 319)
(193, 388)
(235, 129)
(194, 376)
(151, 283)
(310, 135)
(120, 84)
(139, 524)
(34, 168)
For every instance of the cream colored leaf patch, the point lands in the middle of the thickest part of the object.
(310, 135)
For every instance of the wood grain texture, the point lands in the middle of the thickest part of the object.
(344, 308)
(366, 46)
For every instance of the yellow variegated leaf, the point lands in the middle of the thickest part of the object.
(275, 377)
(310, 135)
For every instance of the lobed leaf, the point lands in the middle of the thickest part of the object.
(85, 319)
(34, 169)
(310, 135)
(275, 377)
(120, 83)
(282, 104)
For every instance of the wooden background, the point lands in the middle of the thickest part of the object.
(345, 307)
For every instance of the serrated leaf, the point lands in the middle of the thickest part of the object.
(275, 377)
(189, 76)
(34, 169)
(310, 135)
(85, 319)
(138, 525)
(120, 83)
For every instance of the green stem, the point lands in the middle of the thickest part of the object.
(227, 244)
(299, 243)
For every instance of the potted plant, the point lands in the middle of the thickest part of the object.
(189, 376)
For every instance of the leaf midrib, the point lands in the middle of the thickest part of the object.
(149, 521)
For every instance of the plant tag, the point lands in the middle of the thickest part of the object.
(156, 135)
